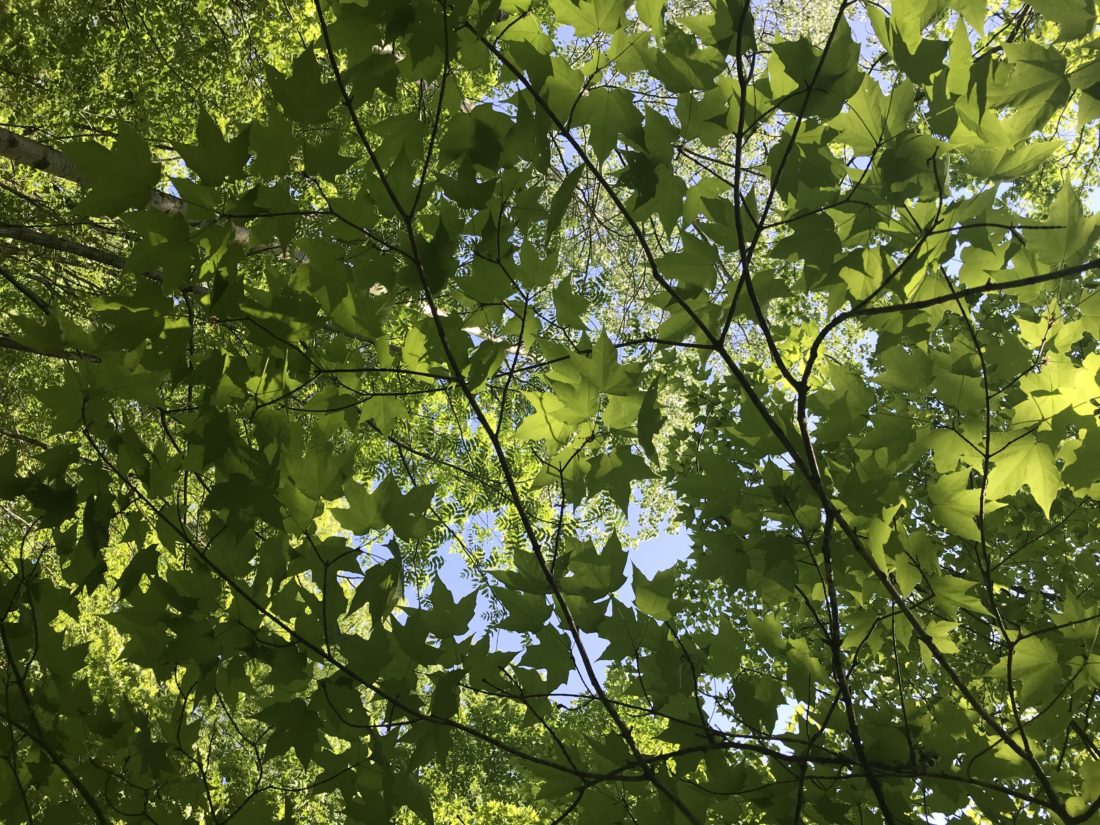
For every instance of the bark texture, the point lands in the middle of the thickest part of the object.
(31, 153)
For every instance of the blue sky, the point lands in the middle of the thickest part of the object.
(650, 557)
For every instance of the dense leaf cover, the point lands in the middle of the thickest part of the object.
(411, 287)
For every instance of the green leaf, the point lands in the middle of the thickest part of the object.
(954, 506)
(381, 587)
(525, 292)
(1075, 18)
(1025, 462)
(910, 19)
(589, 16)
(474, 137)
(293, 725)
(918, 57)
(614, 473)
(803, 78)
(651, 12)
(1034, 662)
(654, 596)
(594, 574)
(562, 198)
(304, 96)
(213, 157)
(144, 563)
(525, 614)
(120, 178)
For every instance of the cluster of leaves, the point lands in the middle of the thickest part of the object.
(466, 277)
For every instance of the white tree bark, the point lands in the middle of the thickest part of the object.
(35, 155)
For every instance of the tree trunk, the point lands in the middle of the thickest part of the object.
(35, 155)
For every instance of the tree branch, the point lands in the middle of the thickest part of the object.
(33, 236)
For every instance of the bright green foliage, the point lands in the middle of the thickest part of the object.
(483, 279)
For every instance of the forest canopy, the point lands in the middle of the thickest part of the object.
(549, 411)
